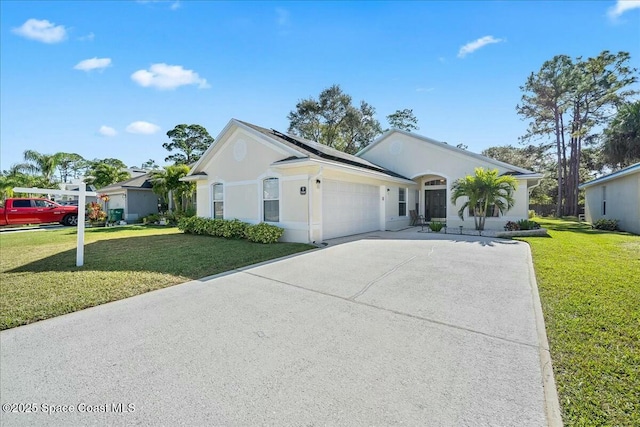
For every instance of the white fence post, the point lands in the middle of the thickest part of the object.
(82, 201)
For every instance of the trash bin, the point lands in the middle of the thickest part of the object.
(115, 215)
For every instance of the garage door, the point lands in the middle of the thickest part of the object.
(349, 208)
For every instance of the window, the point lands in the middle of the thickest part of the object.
(604, 200)
(493, 211)
(402, 202)
(22, 203)
(218, 201)
(43, 204)
(436, 182)
(271, 200)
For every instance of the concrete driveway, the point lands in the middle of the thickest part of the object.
(392, 329)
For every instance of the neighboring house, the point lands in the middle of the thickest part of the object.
(317, 193)
(615, 196)
(135, 196)
(74, 185)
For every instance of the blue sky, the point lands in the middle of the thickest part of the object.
(109, 79)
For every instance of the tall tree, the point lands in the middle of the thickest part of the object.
(67, 162)
(483, 191)
(333, 120)
(190, 142)
(149, 165)
(403, 120)
(622, 137)
(570, 100)
(102, 174)
(544, 101)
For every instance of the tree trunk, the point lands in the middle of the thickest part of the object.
(560, 150)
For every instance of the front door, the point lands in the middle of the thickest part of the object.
(435, 204)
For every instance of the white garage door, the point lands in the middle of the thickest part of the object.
(349, 208)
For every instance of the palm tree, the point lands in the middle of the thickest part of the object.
(167, 184)
(622, 138)
(43, 164)
(483, 191)
(103, 174)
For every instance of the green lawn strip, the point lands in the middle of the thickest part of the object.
(39, 279)
(589, 284)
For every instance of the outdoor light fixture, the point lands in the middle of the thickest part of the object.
(460, 229)
(318, 181)
(388, 189)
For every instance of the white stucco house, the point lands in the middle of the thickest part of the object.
(317, 193)
(615, 196)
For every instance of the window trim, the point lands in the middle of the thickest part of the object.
(270, 178)
(214, 201)
(402, 203)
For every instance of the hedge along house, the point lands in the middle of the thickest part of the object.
(317, 193)
(135, 196)
(615, 196)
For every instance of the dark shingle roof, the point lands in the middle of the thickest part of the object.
(142, 181)
(314, 150)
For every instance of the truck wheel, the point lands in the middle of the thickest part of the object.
(70, 220)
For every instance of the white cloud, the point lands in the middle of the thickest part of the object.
(477, 44)
(93, 64)
(144, 128)
(163, 76)
(621, 7)
(42, 31)
(175, 5)
(88, 38)
(424, 89)
(107, 131)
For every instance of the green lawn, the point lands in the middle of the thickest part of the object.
(589, 285)
(39, 279)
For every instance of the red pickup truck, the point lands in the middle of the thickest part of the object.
(36, 211)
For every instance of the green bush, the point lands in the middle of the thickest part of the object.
(151, 219)
(532, 213)
(526, 224)
(263, 233)
(606, 224)
(436, 226)
(230, 229)
(234, 229)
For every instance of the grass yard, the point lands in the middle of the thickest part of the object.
(39, 279)
(589, 284)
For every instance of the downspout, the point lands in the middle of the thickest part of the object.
(312, 181)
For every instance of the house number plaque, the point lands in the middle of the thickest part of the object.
(303, 191)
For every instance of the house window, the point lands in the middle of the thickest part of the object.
(402, 202)
(218, 201)
(604, 200)
(492, 211)
(436, 182)
(271, 200)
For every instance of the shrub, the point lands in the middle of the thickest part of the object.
(151, 219)
(233, 229)
(606, 224)
(532, 213)
(436, 226)
(264, 233)
(511, 226)
(526, 224)
(230, 229)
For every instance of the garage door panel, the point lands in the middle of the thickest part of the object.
(349, 208)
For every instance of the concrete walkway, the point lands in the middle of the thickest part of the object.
(392, 328)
